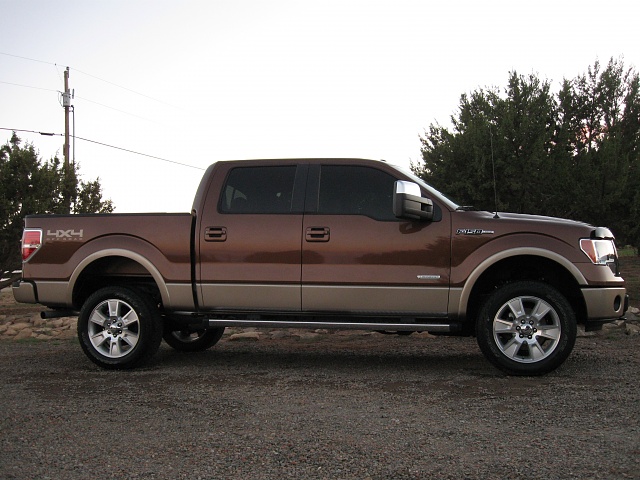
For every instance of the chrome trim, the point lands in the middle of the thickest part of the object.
(22, 246)
(603, 233)
(474, 231)
(410, 188)
(404, 327)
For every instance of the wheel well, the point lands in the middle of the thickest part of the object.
(526, 267)
(114, 271)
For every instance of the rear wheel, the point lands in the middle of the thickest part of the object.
(119, 328)
(193, 340)
(526, 328)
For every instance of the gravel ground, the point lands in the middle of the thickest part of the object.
(331, 406)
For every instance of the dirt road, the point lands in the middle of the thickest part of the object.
(330, 405)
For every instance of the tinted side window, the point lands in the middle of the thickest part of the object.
(353, 190)
(258, 190)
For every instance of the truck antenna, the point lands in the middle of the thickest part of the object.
(493, 167)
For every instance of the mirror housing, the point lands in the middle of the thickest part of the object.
(408, 202)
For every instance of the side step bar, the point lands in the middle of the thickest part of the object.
(46, 314)
(405, 327)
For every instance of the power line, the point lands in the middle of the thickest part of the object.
(104, 145)
(78, 97)
(92, 76)
(26, 58)
(30, 131)
(86, 139)
(124, 88)
(138, 153)
(28, 86)
(82, 98)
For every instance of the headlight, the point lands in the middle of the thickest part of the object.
(601, 252)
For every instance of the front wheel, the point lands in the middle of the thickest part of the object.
(526, 328)
(119, 328)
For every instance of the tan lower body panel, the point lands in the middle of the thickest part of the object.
(250, 297)
(180, 296)
(24, 292)
(324, 298)
(604, 303)
(384, 300)
(54, 293)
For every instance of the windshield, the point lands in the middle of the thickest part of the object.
(439, 195)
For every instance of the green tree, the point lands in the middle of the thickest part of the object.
(601, 112)
(572, 154)
(510, 135)
(29, 186)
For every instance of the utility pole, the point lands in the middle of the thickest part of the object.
(69, 184)
(66, 103)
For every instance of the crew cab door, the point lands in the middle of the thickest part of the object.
(250, 238)
(358, 258)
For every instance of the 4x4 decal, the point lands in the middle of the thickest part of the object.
(65, 234)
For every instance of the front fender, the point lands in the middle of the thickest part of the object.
(460, 296)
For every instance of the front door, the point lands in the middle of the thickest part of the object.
(358, 258)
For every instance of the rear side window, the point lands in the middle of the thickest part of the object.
(355, 190)
(258, 190)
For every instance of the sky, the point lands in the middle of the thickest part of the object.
(194, 82)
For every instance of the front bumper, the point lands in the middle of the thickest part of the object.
(604, 305)
(24, 292)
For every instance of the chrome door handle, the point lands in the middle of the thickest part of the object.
(215, 234)
(317, 234)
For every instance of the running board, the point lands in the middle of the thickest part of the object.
(47, 314)
(400, 327)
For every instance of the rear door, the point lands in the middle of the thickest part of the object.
(250, 238)
(358, 258)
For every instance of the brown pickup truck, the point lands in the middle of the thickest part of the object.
(322, 243)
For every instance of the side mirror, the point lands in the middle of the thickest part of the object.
(407, 202)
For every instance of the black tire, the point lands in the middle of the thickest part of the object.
(119, 328)
(526, 328)
(192, 340)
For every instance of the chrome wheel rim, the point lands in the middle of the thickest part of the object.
(527, 329)
(114, 328)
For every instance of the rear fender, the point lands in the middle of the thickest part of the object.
(135, 249)
(118, 252)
